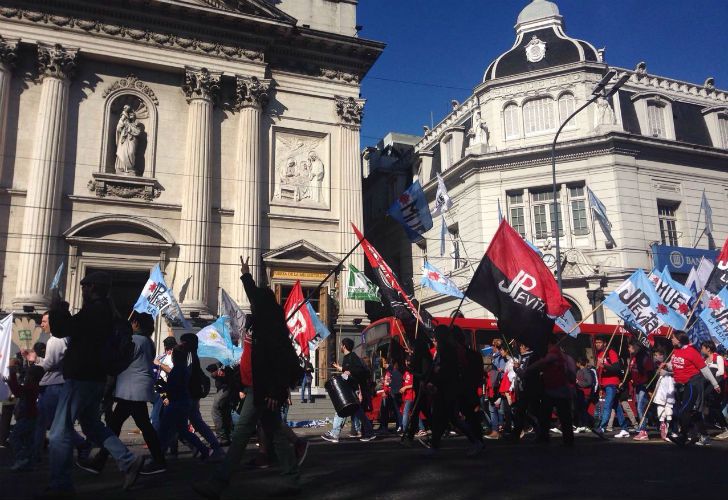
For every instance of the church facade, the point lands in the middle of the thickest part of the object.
(648, 153)
(184, 133)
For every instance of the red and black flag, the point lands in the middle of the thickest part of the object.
(515, 285)
(719, 277)
(403, 306)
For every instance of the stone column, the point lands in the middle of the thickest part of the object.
(8, 49)
(251, 98)
(201, 87)
(350, 112)
(45, 180)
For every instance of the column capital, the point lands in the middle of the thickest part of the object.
(8, 51)
(201, 83)
(350, 110)
(251, 91)
(56, 61)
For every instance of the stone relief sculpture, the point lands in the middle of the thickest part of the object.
(127, 134)
(605, 114)
(300, 172)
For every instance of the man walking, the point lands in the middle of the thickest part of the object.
(84, 372)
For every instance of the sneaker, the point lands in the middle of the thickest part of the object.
(663, 431)
(622, 434)
(330, 437)
(152, 468)
(493, 435)
(609, 429)
(722, 435)
(132, 473)
(599, 432)
(398, 430)
(703, 441)
(301, 448)
(366, 439)
(355, 435)
(555, 430)
(421, 434)
(676, 438)
(217, 456)
(641, 436)
(424, 442)
(93, 465)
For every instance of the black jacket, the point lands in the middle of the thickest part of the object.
(88, 332)
(275, 364)
(359, 372)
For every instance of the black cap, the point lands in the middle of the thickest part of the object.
(97, 278)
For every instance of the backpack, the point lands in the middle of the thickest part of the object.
(199, 384)
(119, 349)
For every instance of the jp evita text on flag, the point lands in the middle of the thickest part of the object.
(636, 307)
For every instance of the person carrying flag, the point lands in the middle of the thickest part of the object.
(689, 370)
(609, 370)
(271, 367)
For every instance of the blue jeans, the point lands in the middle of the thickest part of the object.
(47, 405)
(610, 401)
(202, 427)
(496, 419)
(406, 415)
(305, 386)
(366, 425)
(21, 441)
(80, 400)
(641, 395)
(173, 423)
(156, 414)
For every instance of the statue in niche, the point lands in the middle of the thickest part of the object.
(605, 114)
(127, 135)
(300, 173)
(479, 131)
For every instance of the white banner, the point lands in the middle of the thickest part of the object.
(6, 333)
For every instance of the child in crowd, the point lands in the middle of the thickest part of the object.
(26, 413)
(665, 394)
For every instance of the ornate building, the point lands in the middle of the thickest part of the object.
(184, 133)
(648, 154)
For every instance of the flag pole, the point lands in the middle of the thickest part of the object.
(593, 311)
(697, 224)
(323, 281)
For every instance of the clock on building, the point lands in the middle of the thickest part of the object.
(549, 260)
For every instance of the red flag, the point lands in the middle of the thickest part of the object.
(300, 324)
(513, 283)
(719, 277)
(390, 287)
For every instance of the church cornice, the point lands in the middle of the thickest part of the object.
(182, 26)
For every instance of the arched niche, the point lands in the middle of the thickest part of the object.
(129, 101)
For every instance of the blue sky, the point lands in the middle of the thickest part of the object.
(444, 47)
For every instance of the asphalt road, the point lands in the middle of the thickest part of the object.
(614, 469)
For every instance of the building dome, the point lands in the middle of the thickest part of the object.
(537, 10)
(541, 43)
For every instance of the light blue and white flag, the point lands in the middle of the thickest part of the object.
(443, 202)
(215, 342)
(600, 212)
(715, 317)
(433, 278)
(674, 295)
(636, 302)
(321, 331)
(568, 324)
(157, 298)
(411, 210)
(237, 317)
(56, 283)
(697, 330)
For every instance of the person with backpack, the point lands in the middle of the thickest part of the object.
(132, 393)
(269, 368)
(90, 353)
(199, 389)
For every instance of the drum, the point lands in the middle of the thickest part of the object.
(343, 397)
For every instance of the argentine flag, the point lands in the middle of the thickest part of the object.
(215, 342)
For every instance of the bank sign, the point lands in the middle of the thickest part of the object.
(680, 259)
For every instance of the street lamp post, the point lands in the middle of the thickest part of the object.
(599, 91)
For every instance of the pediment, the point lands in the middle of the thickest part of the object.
(119, 230)
(258, 8)
(300, 253)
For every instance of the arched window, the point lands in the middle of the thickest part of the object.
(567, 105)
(510, 118)
(538, 115)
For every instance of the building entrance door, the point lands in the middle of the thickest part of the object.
(126, 285)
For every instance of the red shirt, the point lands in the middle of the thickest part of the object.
(409, 394)
(246, 361)
(610, 359)
(637, 377)
(686, 363)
